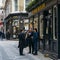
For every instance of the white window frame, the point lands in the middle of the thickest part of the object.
(54, 37)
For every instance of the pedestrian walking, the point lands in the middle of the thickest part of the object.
(21, 41)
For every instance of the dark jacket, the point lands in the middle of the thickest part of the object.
(21, 37)
(35, 36)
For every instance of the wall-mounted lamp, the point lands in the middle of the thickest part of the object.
(21, 21)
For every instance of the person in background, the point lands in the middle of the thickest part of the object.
(3, 35)
(0, 35)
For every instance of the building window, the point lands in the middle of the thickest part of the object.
(31, 23)
(27, 2)
(41, 26)
(16, 5)
(36, 22)
(55, 22)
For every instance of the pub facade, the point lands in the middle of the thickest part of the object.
(45, 17)
(15, 22)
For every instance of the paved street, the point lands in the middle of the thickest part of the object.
(9, 51)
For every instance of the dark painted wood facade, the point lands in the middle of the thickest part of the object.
(46, 18)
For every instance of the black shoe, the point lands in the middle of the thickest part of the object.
(22, 54)
(35, 54)
(29, 52)
(18, 46)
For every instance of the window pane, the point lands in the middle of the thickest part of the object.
(55, 22)
(41, 26)
(16, 5)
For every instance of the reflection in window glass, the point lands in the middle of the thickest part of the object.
(31, 23)
(41, 26)
(36, 22)
(26, 24)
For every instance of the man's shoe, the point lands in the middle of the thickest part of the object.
(35, 54)
(22, 54)
(29, 52)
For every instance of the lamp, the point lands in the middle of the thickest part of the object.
(21, 21)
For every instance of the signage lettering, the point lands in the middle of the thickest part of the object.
(39, 8)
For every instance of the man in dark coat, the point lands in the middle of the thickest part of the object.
(35, 40)
(21, 42)
(31, 47)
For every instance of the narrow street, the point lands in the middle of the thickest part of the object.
(37, 21)
(9, 51)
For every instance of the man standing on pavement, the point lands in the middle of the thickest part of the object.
(21, 41)
(31, 47)
(35, 40)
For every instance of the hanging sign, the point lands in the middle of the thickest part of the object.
(39, 8)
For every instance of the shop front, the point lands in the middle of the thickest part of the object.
(45, 18)
(58, 30)
(15, 22)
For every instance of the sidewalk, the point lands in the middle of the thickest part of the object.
(9, 51)
(40, 56)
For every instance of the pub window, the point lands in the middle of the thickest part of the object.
(36, 22)
(41, 26)
(31, 23)
(55, 22)
(16, 5)
(49, 22)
